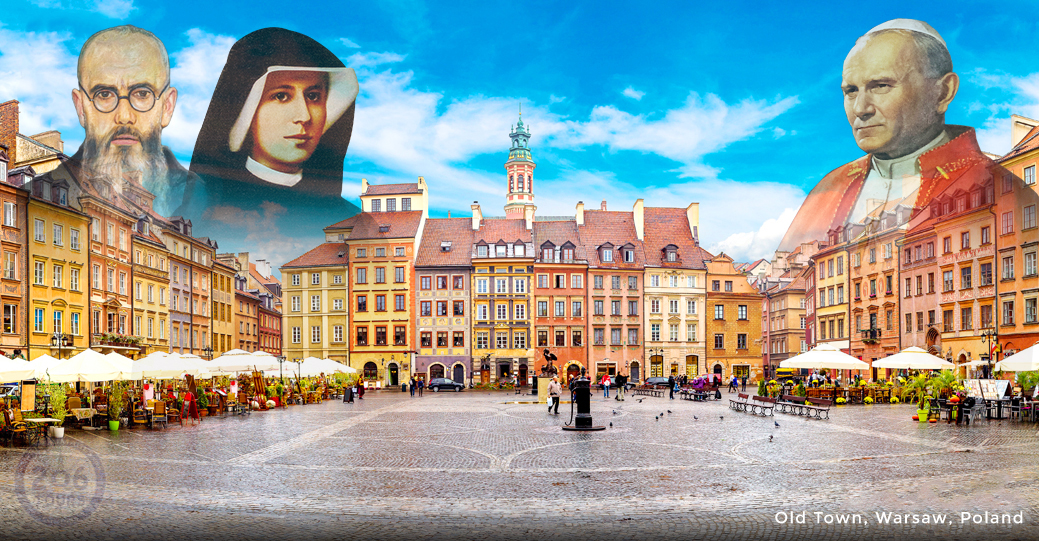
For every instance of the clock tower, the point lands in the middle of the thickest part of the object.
(520, 172)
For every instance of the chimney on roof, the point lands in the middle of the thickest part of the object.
(603, 206)
(1019, 128)
(692, 213)
(364, 186)
(639, 213)
(477, 215)
(528, 215)
(580, 213)
(9, 131)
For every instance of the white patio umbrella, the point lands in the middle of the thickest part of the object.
(89, 365)
(824, 358)
(42, 364)
(233, 361)
(336, 366)
(165, 367)
(1023, 361)
(311, 366)
(265, 361)
(15, 369)
(913, 358)
(154, 355)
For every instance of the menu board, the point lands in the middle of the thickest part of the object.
(987, 388)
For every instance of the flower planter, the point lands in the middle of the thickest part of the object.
(56, 432)
(113, 426)
(922, 415)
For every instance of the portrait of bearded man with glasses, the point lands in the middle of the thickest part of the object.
(124, 100)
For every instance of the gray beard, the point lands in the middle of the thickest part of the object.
(113, 163)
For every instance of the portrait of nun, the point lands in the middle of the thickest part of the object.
(277, 128)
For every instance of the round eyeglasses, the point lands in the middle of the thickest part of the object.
(141, 98)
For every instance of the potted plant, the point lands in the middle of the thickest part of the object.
(762, 388)
(203, 403)
(1027, 381)
(916, 389)
(868, 400)
(115, 406)
(800, 390)
(841, 401)
(58, 410)
(943, 383)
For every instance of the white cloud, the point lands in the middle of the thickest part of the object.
(762, 243)
(195, 70)
(115, 9)
(1018, 95)
(39, 70)
(347, 42)
(701, 126)
(371, 60)
(556, 99)
(256, 230)
(633, 94)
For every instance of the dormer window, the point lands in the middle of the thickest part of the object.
(568, 254)
(607, 254)
(672, 256)
(445, 246)
(481, 251)
(518, 250)
(629, 256)
(384, 228)
(500, 250)
(547, 254)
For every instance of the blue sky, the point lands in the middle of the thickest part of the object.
(736, 106)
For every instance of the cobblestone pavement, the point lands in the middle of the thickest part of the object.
(478, 465)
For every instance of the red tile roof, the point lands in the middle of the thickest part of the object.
(494, 229)
(614, 227)
(392, 189)
(666, 226)
(1029, 143)
(366, 225)
(457, 231)
(558, 233)
(259, 277)
(325, 255)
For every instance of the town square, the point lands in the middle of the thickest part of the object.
(419, 270)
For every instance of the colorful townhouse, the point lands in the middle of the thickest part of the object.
(58, 265)
(675, 291)
(382, 241)
(502, 253)
(616, 262)
(317, 311)
(222, 298)
(151, 281)
(733, 321)
(560, 319)
(443, 312)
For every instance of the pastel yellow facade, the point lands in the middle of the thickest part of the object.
(57, 279)
(316, 321)
(151, 281)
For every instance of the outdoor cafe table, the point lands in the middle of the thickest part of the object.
(84, 413)
(43, 421)
(998, 403)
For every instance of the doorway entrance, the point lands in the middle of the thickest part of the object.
(572, 371)
(522, 380)
(656, 366)
(504, 370)
(692, 366)
(393, 377)
(634, 375)
(459, 374)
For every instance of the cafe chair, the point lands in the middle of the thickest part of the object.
(171, 413)
(140, 417)
(18, 428)
(159, 413)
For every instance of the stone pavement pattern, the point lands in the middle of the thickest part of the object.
(477, 465)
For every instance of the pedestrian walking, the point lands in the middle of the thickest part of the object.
(412, 386)
(554, 390)
(360, 390)
(732, 384)
(605, 382)
(421, 386)
(622, 381)
(671, 386)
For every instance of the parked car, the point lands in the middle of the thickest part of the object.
(436, 384)
(9, 390)
(656, 381)
(627, 386)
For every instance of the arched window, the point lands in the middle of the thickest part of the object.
(519, 185)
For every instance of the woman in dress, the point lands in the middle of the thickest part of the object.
(277, 130)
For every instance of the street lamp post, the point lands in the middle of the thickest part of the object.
(990, 336)
(208, 352)
(281, 368)
(61, 341)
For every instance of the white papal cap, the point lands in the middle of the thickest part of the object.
(909, 24)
